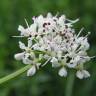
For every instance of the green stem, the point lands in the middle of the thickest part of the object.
(70, 83)
(13, 75)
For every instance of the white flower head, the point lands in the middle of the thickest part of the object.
(53, 39)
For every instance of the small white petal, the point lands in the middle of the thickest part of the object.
(37, 65)
(86, 74)
(62, 19)
(62, 72)
(31, 71)
(82, 53)
(29, 42)
(79, 40)
(86, 45)
(80, 74)
(49, 15)
(46, 56)
(19, 56)
(54, 60)
(40, 20)
(40, 56)
(55, 64)
(33, 28)
(21, 28)
(74, 47)
(22, 45)
(59, 54)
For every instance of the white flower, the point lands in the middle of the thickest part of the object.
(22, 45)
(19, 56)
(31, 71)
(24, 56)
(26, 59)
(55, 62)
(61, 20)
(24, 32)
(53, 39)
(30, 31)
(82, 74)
(62, 72)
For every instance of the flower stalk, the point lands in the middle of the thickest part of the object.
(70, 84)
(15, 74)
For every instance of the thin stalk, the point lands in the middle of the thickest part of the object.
(70, 83)
(15, 74)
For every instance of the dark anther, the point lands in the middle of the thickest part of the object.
(65, 37)
(48, 23)
(67, 41)
(71, 43)
(66, 26)
(35, 35)
(43, 30)
(54, 20)
(53, 30)
(64, 34)
(78, 46)
(73, 39)
(62, 57)
(60, 32)
(71, 63)
(46, 49)
(56, 33)
(66, 21)
(42, 35)
(29, 57)
(44, 24)
(65, 52)
(30, 35)
(68, 59)
(32, 48)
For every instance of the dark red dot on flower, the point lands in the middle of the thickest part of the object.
(66, 26)
(42, 35)
(62, 57)
(68, 59)
(66, 21)
(43, 30)
(30, 35)
(44, 24)
(49, 23)
(60, 32)
(36, 35)
(65, 37)
(54, 20)
(53, 30)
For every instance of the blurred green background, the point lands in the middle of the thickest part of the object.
(46, 82)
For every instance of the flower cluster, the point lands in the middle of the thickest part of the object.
(53, 40)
